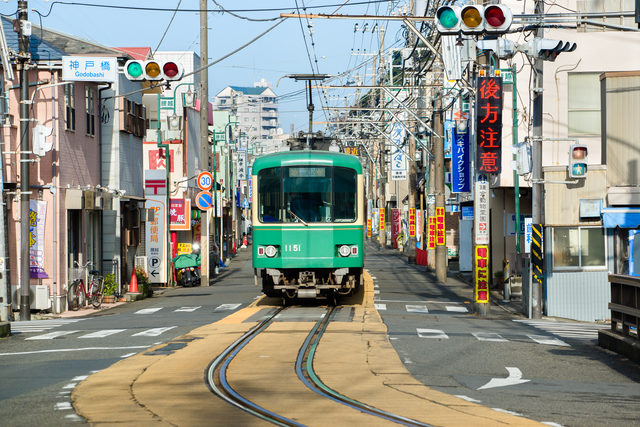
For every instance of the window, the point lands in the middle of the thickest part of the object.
(69, 107)
(584, 104)
(578, 248)
(89, 96)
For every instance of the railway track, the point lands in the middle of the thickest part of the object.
(219, 385)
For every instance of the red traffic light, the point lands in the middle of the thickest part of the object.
(171, 69)
(494, 16)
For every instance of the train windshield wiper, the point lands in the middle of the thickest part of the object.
(298, 218)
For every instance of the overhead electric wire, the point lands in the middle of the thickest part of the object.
(240, 16)
(167, 29)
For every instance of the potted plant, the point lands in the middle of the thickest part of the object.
(110, 288)
(143, 282)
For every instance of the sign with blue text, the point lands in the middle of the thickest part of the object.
(398, 158)
(89, 69)
(460, 164)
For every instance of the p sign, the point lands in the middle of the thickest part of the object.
(205, 181)
(203, 200)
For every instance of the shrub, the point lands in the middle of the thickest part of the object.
(143, 282)
(110, 285)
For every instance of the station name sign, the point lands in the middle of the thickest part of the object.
(89, 69)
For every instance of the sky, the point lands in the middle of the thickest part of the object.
(335, 44)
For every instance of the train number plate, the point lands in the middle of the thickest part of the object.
(293, 248)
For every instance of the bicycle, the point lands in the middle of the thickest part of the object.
(78, 293)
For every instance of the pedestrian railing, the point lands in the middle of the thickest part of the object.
(625, 304)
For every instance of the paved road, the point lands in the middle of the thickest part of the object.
(548, 370)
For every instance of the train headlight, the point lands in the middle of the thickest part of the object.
(270, 251)
(344, 250)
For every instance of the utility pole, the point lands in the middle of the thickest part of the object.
(411, 182)
(25, 148)
(438, 177)
(537, 188)
(205, 151)
(382, 229)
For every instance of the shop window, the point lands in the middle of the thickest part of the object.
(576, 248)
(90, 110)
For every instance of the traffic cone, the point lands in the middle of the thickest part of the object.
(133, 285)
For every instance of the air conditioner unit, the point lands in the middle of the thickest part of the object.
(38, 295)
(141, 261)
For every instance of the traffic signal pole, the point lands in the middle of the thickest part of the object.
(25, 147)
(536, 157)
(205, 151)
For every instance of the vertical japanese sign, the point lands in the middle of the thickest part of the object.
(369, 227)
(396, 226)
(242, 165)
(482, 212)
(412, 222)
(250, 185)
(482, 273)
(460, 164)
(156, 234)
(489, 124)
(179, 213)
(398, 158)
(432, 232)
(382, 219)
(37, 215)
(419, 225)
(440, 233)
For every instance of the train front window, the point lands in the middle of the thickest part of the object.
(344, 185)
(307, 193)
(270, 195)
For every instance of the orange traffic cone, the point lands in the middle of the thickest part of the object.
(133, 285)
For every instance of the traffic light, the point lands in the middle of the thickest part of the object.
(448, 20)
(153, 70)
(548, 50)
(494, 18)
(578, 161)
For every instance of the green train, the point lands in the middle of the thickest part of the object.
(308, 224)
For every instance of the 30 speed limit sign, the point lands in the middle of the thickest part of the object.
(205, 181)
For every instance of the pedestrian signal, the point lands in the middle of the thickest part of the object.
(578, 161)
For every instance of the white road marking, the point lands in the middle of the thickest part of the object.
(376, 291)
(408, 361)
(51, 335)
(543, 339)
(567, 329)
(103, 333)
(456, 308)
(80, 378)
(373, 277)
(73, 417)
(21, 326)
(153, 332)
(489, 336)
(124, 356)
(63, 406)
(552, 424)
(514, 378)
(188, 309)
(227, 307)
(417, 308)
(504, 411)
(468, 399)
(380, 306)
(70, 386)
(68, 350)
(64, 393)
(431, 333)
(148, 310)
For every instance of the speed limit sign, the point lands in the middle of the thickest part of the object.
(205, 181)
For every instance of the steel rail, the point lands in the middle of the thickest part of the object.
(306, 374)
(218, 384)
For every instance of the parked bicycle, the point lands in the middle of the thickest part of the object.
(93, 292)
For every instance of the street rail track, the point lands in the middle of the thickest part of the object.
(216, 376)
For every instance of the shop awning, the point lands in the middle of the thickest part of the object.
(621, 217)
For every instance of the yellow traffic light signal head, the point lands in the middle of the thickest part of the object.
(152, 70)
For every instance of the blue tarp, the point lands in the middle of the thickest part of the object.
(621, 217)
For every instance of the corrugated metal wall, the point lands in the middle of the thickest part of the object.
(582, 295)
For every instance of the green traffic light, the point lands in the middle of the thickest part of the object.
(448, 18)
(134, 69)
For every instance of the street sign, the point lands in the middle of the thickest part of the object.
(89, 69)
(156, 239)
(482, 212)
(205, 181)
(204, 199)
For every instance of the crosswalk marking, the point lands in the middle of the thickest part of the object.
(566, 329)
(187, 309)
(381, 306)
(489, 336)
(154, 332)
(52, 335)
(227, 307)
(456, 308)
(417, 308)
(22, 326)
(148, 310)
(542, 339)
(103, 333)
(431, 333)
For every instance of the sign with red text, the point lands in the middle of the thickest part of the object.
(156, 244)
(482, 212)
(155, 182)
(396, 226)
(412, 222)
(440, 232)
(482, 273)
(179, 214)
(432, 232)
(382, 219)
(489, 125)
(369, 227)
